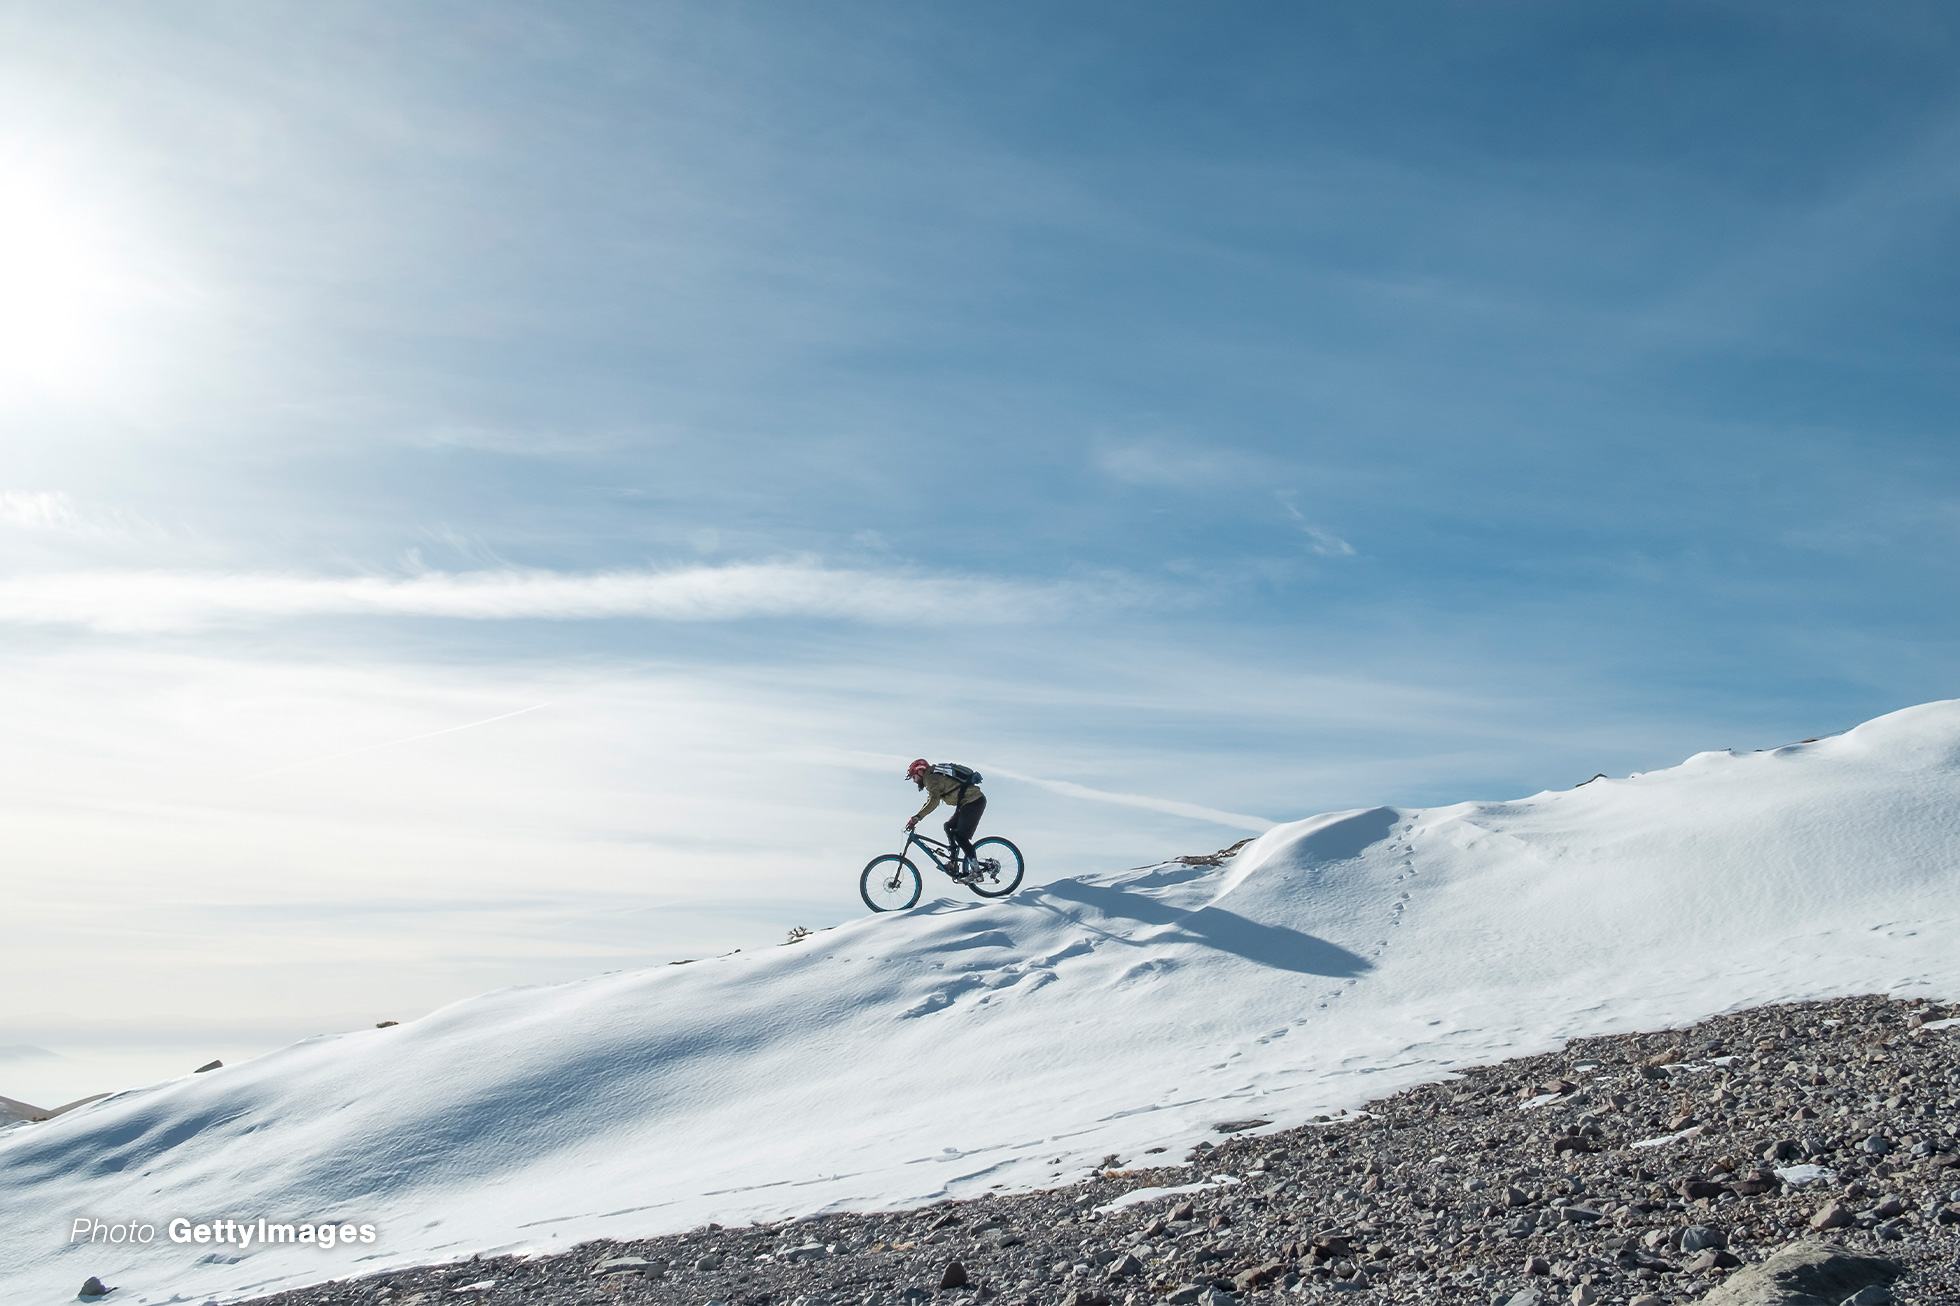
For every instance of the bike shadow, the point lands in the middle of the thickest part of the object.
(1266, 945)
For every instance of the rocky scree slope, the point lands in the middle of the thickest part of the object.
(1816, 1140)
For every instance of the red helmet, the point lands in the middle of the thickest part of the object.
(918, 768)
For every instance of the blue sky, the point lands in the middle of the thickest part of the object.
(1260, 408)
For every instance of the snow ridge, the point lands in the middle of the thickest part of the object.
(898, 1060)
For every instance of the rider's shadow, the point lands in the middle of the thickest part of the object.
(1268, 945)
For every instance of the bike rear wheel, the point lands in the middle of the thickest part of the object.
(997, 868)
(889, 883)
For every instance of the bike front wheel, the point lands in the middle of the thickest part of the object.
(889, 883)
(997, 868)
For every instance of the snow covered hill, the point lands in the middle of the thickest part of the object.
(965, 1045)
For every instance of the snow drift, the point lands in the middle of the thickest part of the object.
(969, 1045)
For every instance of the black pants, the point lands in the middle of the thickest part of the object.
(965, 820)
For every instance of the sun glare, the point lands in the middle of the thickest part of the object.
(60, 290)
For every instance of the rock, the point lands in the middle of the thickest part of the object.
(1516, 1197)
(1580, 1215)
(209, 1065)
(1537, 1265)
(1700, 1237)
(1876, 1145)
(1876, 1294)
(1247, 1280)
(1183, 1211)
(1806, 1274)
(1529, 1297)
(1184, 1296)
(633, 1264)
(386, 1024)
(1695, 1190)
(1238, 1126)
(1714, 1258)
(1784, 1149)
(954, 1277)
(1756, 1183)
(93, 1288)
(1646, 1299)
(1833, 1215)
(1211, 1297)
(1948, 1215)
(710, 1262)
(1890, 1209)
(1583, 1295)
(1124, 1266)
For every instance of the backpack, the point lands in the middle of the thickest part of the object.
(966, 775)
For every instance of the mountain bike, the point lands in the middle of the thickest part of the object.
(891, 882)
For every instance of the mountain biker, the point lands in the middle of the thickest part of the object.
(963, 796)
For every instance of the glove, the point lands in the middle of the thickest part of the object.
(912, 824)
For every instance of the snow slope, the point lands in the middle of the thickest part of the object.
(899, 1059)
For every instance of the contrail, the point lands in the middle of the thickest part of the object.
(334, 757)
(1169, 806)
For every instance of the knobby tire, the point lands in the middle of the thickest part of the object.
(889, 883)
(1003, 881)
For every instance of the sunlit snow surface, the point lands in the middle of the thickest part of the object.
(966, 1045)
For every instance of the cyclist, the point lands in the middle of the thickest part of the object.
(942, 784)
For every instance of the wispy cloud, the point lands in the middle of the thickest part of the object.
(391, 743)
(1168, 806)
(40, 510)
(1325, 543)
(55, 512)
(1175, 464)
(129, 601)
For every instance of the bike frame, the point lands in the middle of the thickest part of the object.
(932, 849)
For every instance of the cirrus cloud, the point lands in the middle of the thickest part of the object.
(136, 601)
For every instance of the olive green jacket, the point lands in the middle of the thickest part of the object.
(945, 789)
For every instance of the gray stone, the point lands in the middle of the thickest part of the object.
(1699, 1237)
(1877, 1145)
(1529, 1297)
(1124, 1266)
(1184, 1296)
(954, 1277)
(1875, 1295)
(1807, 1274)
(94, 1288)
(1833, 1215)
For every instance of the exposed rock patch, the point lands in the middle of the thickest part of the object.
(1787, 1149)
